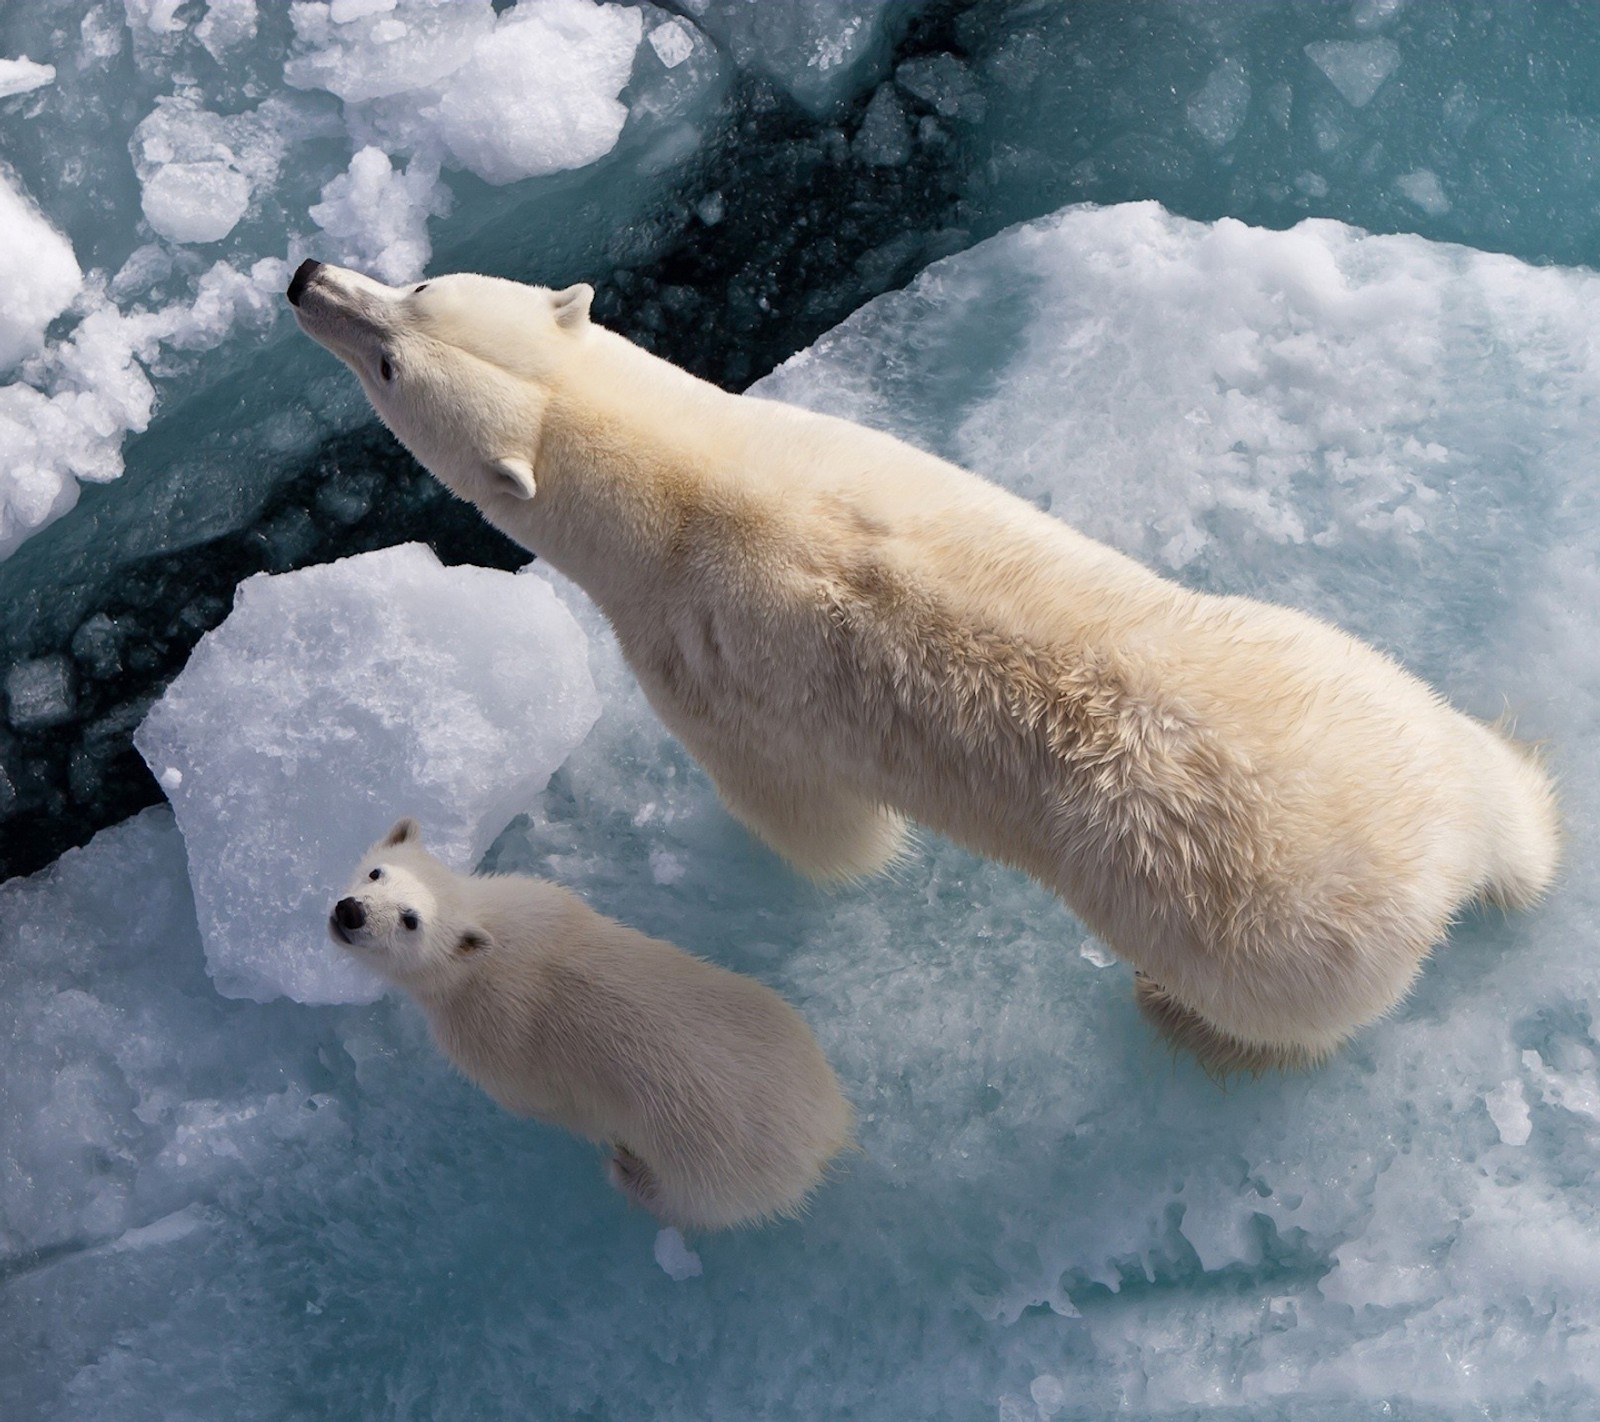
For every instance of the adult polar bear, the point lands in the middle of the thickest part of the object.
(1270, 820)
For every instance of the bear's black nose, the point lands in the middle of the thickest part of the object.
(302, 276)
(348, 914)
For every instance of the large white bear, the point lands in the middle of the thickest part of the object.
(1270, 820)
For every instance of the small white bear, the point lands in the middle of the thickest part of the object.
(713, 1096)
(1271, 821)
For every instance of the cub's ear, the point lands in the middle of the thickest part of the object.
(571, 306)
(514, 476)
(472, 940)
(406, 831)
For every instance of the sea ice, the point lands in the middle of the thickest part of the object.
(236, 151)
(23, 76)
(1317, 393)
(1049, 1215)
(539, 94)
(195, 202)
(206, 1197)
(376, 217)
(884, 138)
(1217, 111)
(819, 51)
(333, 701)
(39, 693)
(1424, 189)
(38, 272)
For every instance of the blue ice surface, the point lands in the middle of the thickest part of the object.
(220, 1208)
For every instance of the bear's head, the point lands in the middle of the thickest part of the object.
(400, 914)
(459, 367)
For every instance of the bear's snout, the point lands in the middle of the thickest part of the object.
(298, 283)
(349, 914)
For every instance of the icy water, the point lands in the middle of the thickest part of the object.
(219, 1200)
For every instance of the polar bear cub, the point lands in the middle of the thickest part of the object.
(713, 1096)
(1271, 821)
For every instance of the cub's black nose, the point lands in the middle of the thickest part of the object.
(302, 275)
(348, 914)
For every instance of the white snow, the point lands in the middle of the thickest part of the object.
(331, 702)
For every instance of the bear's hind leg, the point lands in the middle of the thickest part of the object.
(1219, 1053)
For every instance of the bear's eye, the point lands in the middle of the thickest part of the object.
(416, 289)
(410, 920)
(375, 874)
(386, 370)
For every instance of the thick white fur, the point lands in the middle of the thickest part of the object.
(715, 1099)
(1272, 821)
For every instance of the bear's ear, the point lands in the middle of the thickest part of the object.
(571, 306)
(472, 940)
(513, 476)
(406, 831)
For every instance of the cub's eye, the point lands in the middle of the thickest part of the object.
(375, 874)
(410, 920)
(386, 370)
(416, 289)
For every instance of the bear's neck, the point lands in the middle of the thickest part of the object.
(633, 455)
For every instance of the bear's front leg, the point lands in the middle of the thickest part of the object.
(826, 831)
(1220, 1053)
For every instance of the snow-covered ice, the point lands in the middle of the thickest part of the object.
(1049, 1216)
(330, 703)
(232, 1205)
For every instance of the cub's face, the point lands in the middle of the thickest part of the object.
(459, 367)
(390, 915)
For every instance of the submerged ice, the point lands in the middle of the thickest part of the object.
(1049, 1217)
